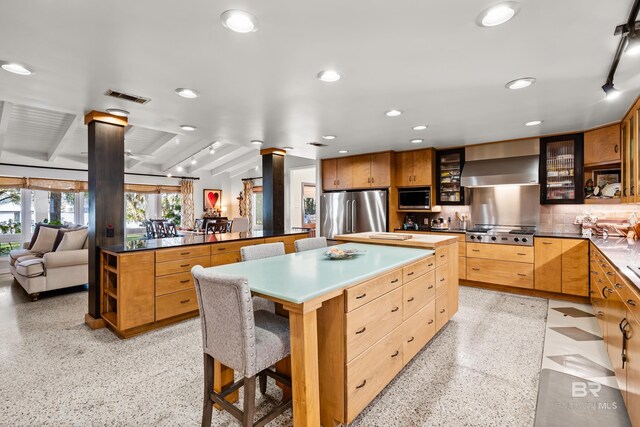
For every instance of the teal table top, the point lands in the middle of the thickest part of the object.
(303, 276)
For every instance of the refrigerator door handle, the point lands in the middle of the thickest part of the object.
(348, 218)
(353, 217)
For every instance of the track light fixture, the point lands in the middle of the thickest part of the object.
(610, 91)
(629, 43)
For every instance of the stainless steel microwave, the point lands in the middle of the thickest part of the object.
(418, 198)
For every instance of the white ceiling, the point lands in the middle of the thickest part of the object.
(427, 58)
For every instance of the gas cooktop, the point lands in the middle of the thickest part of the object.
(504, 235)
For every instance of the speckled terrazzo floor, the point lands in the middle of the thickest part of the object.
(481, 370)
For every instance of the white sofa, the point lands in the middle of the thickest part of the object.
(53, 270)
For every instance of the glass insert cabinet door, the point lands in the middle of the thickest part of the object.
(561, 169)
(449, 164)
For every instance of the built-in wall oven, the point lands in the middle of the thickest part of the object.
(417, 198)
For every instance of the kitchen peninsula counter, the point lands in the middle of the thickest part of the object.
(146, 284)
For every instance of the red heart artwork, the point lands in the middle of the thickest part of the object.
(213, 198)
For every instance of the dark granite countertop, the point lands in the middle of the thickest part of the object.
(194, 239)
(559, 235)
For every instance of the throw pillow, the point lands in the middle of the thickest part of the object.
(61, 233)
(37, 231)
(46, 239)
(73, 240)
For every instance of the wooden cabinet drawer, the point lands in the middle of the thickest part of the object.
(372, 321)
(173, 283)
(363, 293)
(418, 330)
(442, 279)
(225, 258)
(224, 247)
(442, 311)
(165, 255)
(176, 303)
(506, 273)
(368, 374)
(608, 271)
(416, 269)
(287, 240)
(442, 256)
(501, 252)
(181, 265)
(462, 267)
(417, 293)
(628, 296)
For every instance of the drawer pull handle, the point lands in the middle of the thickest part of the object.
(185, 253)
(394, 281)
(475, 269)
(442, 256)
(442, 311)
(221, 249)
(618, 286)
(184, 281)
(600, 313)
(430, 287)
(411, 273)
(475, 250)
(362, 385)
(599, 280)
(520, 253)
(361, 296)
(609, 273)
(395, 354)
(410, 299)
(364, 328)
(430, 265)
(547, 243)
(631, 302)
(430, 322)
(184, 301)
(410, 339)
(523, 275)
(594, 272)
(442, 280)
(185, 265)
(393, 310)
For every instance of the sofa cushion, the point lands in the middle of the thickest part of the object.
(36, 232)
(17, 253)
(31, 267)
(62, 232)
(46, 239)
(72, 240)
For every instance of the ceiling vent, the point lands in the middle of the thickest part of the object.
(317, 144)
(127, 96)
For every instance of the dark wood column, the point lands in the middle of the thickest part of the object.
(106, 197)
(273, 188)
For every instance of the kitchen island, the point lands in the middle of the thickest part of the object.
(354, 323)
(147, 283)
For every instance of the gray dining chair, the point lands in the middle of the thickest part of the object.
(310, 243)
(265, 250)
(240, 225)
(248, 342)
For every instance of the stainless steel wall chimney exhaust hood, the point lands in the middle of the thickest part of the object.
(507, 171)
(502, 163)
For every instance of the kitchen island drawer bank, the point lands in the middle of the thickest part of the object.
(146, 284)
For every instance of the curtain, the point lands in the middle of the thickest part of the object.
(152, 189)
(71, 186)
(248, 200)
(186, 188)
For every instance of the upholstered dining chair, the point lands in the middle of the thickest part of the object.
(265, 250)
(310, 243)
(240, 225)
(248, 342)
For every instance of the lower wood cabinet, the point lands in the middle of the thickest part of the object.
(562, 265)
(506, 273)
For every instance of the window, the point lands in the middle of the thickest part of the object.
(256, 208)
(10, 219)
(135, 209)
(53, 207)
(171, 207)
(308, 204)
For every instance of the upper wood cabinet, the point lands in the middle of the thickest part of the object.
(561, 169)
(415, 168)
(602, 146)
(365, 171)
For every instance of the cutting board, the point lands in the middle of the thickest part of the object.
(390, 236)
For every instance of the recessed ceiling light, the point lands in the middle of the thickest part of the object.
(118, 112)
(16, 68)
(177, 141)
(187, 93)
(193, 161)
(343, 151)
(329, 76)
(498, 14)
(179, 168)
(417, 141)
(189, 128)
(610, 91)
(520, 83)
(257, 142)
(533, 123)
(328, 137)
(393, 113)
(287, 148)
(212, 150)
(420, 127)
(239, 21)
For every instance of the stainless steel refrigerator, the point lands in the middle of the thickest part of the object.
(353, 212)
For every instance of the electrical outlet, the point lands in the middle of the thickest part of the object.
(425, 221)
